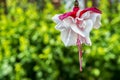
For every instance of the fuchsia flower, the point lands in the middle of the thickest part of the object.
(75, 26)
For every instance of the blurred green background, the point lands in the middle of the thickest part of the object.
(31, 48)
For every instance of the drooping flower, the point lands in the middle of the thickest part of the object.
(75, 26)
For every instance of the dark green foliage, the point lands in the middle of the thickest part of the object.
(31, 48)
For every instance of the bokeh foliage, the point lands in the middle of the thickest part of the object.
(31, 48)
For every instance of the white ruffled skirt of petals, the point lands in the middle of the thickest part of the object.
(70, 29)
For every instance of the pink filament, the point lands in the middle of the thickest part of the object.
(80, 52)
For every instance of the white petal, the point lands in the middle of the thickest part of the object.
(56, 18)
(71, 24)
(97, 22)
(88, 27)
(77, 30)
(60, 27)
(88, 41)
(69, 37)
(96, 18)
(86, 15)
